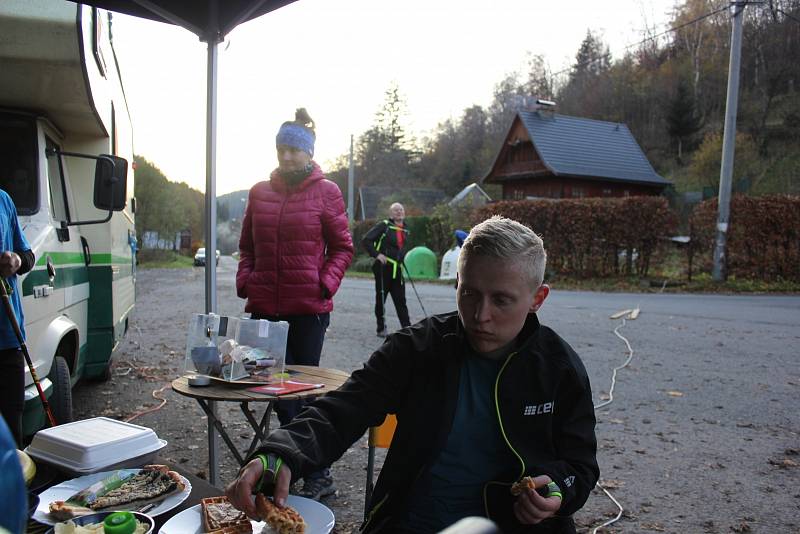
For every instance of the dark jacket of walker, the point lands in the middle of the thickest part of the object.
(415, 375)
(382, 239)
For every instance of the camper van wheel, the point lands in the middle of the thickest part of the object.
(61, 399)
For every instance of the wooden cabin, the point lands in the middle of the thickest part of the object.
(546, 155)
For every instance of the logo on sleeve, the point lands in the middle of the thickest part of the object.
(569, 481)
(539, 409)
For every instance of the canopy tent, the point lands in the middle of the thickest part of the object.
(211, 21)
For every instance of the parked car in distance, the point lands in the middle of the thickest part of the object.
(200, 257)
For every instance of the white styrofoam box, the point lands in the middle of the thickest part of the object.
(96, 444)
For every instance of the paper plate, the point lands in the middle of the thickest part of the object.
(68, 488)
(318, 517)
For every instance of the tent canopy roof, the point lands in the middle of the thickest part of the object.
(211, 19)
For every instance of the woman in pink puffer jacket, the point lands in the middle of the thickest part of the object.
(294, 250)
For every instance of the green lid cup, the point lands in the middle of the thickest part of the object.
(119, 523)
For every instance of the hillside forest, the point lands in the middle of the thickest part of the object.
(669, 88)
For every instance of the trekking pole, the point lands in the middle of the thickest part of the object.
(408, 274)
(381, 267)
(12, 318)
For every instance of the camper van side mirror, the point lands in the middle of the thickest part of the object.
(110, 182)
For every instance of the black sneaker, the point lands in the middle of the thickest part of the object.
(383, 333)
(316, 488)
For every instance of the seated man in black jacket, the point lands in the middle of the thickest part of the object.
(484, 397)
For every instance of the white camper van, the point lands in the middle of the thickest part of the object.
(65, 144)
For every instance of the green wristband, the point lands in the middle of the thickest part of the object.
(554, 491)
(270, 464)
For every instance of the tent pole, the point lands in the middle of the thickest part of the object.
(211, 180)
(211, 227)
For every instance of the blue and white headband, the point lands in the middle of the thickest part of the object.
(296, 136)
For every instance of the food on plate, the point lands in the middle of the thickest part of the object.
(282, 519)
(524, 483)
(152, 483)
(219, 516)
(70, 527)
(235, 529)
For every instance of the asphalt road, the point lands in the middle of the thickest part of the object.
(701, 435)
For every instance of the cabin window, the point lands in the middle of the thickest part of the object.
(58, 193)
(520, 151)
(626, 193)
(519, 194)
(18, 163)
(98, 36)
(578, 192)
(606, 192)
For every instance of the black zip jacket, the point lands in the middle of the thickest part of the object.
(382, 239)
(544, 404)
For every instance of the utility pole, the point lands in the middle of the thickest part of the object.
(719, 273)
(350, 188)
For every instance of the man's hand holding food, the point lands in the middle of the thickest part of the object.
(531, 507)
(267, 474)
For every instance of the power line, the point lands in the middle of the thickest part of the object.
(784, 13)
(651, 38)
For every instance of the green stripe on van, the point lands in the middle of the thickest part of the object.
(65, 277)
(71, 276)
(67, 258)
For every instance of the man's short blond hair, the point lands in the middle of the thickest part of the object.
(506, 239)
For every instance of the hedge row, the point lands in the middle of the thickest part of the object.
(593, 236)
(763, 237)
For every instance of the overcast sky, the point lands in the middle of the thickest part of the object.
(337, 59)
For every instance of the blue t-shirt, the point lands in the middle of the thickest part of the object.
(11, 238)
(474, 454)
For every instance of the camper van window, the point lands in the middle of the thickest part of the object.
(58, 205)
(18, 162)
(97, 40)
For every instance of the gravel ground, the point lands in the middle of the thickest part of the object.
(702, 434)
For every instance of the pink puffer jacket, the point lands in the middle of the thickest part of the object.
(295, 246)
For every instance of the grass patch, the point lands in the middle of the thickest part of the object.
(701, 283)
(162, 259)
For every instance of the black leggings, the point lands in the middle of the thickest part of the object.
(12, 390)
(303, 347)
(385, 285)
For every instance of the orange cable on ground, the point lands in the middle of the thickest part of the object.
(154, 408)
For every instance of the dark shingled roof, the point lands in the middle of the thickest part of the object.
(370, 196)
(572, 146)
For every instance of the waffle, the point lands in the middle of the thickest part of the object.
(220, 517)
(282, 519)
(238, 529)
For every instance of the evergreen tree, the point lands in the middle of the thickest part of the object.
(681, 117)
(385, 152)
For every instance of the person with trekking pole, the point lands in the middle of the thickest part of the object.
(386, 243)
(16, 258)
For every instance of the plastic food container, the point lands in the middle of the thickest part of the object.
(100, 517)
(93, 445)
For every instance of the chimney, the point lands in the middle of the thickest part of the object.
(530, 103)
(547, 107)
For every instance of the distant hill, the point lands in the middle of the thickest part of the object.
(231, 205)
